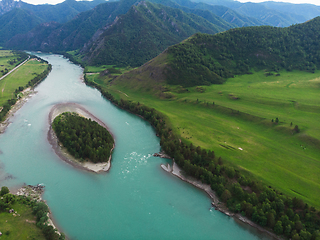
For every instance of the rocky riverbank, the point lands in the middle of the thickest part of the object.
(176, 171)
(35, 193)
(61, 151)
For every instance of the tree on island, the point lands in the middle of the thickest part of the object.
(84, 139)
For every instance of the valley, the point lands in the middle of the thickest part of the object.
(231, 90)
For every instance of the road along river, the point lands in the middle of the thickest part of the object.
(136, 199)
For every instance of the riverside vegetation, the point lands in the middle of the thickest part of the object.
(28, 219)
(259, 172)
(13, 226)
(84, 139)
(28, 75)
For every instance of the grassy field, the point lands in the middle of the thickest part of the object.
(20, 225)
(239, 128)
(20, 77)
(6, 56)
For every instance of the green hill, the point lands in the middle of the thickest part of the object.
(205, 59)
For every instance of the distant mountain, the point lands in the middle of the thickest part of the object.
(75, 33)
(207, 59)
(270, 16)
(17, 21)
(61, 12)
(271, 13)
(142, 33)
(224, 12)
(8, 5)
(33, 40)
(95, 25)
(308, 11)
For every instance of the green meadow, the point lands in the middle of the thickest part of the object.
(19, 77)
(235, 120)
(21, 225)
(5, 57)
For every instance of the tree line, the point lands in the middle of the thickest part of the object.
(286, 216)
(32, 83)
(84, 139)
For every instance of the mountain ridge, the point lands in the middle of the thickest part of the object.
(147, 28)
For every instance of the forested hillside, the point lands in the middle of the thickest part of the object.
(224, 12)
(15, 22)
(205, 59)
(76, 32)
(144, 32)
(272, 13)
(61, 12)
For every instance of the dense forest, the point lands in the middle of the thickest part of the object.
(286, 216)
(205, 59)
(83, 138)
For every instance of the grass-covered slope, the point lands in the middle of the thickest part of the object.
(234, 119)
(142, 33)
(250, 119)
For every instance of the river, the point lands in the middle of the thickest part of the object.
(136, 199)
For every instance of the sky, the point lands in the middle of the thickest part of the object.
(316, 2)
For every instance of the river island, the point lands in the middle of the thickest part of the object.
(94, 156)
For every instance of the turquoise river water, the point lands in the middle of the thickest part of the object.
(136, 199)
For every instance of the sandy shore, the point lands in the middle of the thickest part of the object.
(176, 171)
(62, 152)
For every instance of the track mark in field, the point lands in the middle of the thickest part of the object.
(227, 147)
(289, 84)
(123, 93)
(297, 192)
(4, 88)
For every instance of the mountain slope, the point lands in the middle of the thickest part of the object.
(308, 11)
(76, 32)
(205, 59)
(270, 16)
(32, 40)
(224, 12)
(141, 34)
(15, 22)
(271, 13)
(61, 12)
